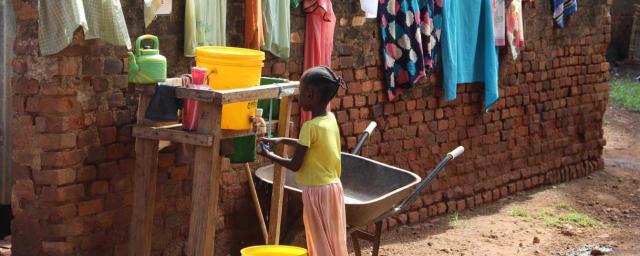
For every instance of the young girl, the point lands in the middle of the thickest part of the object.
(316, 161)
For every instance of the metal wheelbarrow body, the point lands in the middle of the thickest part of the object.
(371, 188)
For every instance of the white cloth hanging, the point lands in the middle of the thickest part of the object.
(370, 8)
(151, 8)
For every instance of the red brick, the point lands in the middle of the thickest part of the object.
(62, 158)
(347, 102)
(58, 105)
(90, 207)
(61, 194)
(107, 135)
(99, 188)
(23, 189)
(414, 217)
(64, 212)
(59, 123)
(86, 174)
(278, 68)
(72, 228)
(54, 177)
(57, 248)
(69, 66)
(57, 141)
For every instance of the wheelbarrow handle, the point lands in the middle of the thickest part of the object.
(423, 184)
(363, 138)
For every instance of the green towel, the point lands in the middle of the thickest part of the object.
(295, 3)
(205, 23)
(58, 20)
(277, 31)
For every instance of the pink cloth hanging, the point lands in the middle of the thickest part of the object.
(320, 25)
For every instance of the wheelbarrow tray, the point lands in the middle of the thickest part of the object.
(371, 188)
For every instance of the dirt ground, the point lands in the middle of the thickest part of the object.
(586, 216)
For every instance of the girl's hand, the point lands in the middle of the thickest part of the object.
(264, 149)
(271, 141)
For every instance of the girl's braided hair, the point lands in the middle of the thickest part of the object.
(325, 80)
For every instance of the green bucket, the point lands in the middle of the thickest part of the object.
(244, 150)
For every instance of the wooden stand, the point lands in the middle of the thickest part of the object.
(207, 163)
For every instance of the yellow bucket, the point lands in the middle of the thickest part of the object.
(273, 250)
(232, 68)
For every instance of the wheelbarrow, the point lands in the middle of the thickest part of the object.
(373, 190)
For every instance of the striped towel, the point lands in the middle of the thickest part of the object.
(563, 9)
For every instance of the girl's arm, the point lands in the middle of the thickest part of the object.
(284, 140)
(293, 164)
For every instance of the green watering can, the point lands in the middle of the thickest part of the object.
(146, 65)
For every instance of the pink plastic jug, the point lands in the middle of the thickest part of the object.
(190, 119)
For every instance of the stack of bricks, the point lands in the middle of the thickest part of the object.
(73, 152)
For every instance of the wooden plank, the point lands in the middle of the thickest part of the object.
(144, 197)
(174, 135)
(144, 189)
(275, 215)
(238, 95)
(260, 92)
(206, 185)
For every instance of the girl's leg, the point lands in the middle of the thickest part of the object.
(325, 220)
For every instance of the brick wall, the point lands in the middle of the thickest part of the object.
(621, 24)
(73, 152)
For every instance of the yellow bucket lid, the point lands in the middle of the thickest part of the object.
(273, 250)
(229, 53)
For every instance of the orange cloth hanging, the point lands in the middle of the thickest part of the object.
(320, 26)
(253, 35)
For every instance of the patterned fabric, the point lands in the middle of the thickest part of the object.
(430, 28)
(562, 9)
(515, 28)
(499, 22)
(404, 26)
(58, 20)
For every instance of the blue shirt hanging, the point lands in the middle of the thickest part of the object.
(469, 52)
(563, 9)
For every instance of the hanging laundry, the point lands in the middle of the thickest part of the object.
(253, 34)
(205, 24)
(469, 51)
(402, 50)
(499, 22)
(370, 8)
(58, 20)
(431, 29)
(562, 9)
(318, 39)
(151, 8)
(277, 23)
(515, 28)
(295, 3)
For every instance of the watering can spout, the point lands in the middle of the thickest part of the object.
(133, 65)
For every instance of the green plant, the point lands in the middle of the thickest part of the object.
(519, 212)
(625, 94)
(580, 219)
(563, 206)
(454, 219)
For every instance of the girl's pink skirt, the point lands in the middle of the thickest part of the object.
(325, 221)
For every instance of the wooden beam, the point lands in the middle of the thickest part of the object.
(275, 215)
(239, 95)
(144, 189)
(206, 185)
(174, 135)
